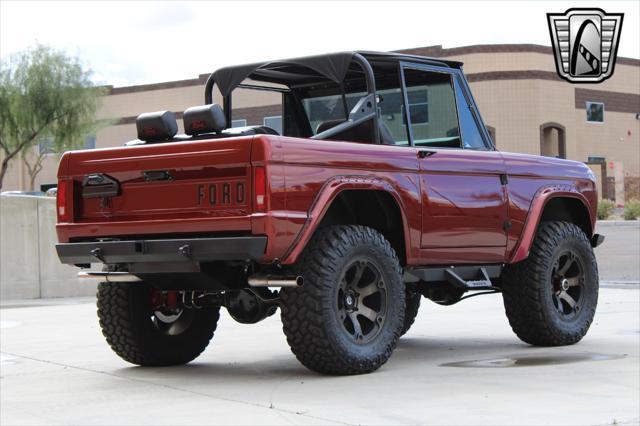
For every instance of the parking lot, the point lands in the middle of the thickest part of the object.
(457, 365)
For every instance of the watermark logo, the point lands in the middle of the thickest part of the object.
(585, 43)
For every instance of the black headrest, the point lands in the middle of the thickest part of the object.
(156, 126)
(204, 119)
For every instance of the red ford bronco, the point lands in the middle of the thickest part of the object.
(383, 187)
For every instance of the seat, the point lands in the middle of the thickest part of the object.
(200, 123)
(156, 126)
(250, 130)
(386, 137)
(204, 119)
(326, 125)
(207, 119)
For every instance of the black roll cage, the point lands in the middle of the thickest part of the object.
(364, 110)
(366, 107)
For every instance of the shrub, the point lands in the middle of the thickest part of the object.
(631, 188)
(605, 209)
(632, 210)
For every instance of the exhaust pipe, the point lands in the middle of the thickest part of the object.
(109, 277)
(275, 281)
(254, 280)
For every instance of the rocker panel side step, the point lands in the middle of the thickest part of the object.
(466, 277)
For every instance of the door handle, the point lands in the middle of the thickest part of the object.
(424, 153)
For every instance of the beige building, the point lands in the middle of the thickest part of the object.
(526, 106)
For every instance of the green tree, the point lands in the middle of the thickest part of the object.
(44, 94)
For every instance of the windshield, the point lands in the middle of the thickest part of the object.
(324, 112)
(329, 108)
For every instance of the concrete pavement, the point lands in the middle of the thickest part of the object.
(457, 365)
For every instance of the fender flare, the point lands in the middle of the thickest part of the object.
(538, 204)
(323, 201)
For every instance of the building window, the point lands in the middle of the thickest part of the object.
(596, 159)
(595, 112)
(239, 123)
(492, 134)
(90, 142)
(418, 106)
(275, 122)
(46, 147)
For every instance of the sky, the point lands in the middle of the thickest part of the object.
(126, 43)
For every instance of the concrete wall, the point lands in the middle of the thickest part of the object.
(29, 266)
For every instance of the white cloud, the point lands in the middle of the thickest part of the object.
(143, 42)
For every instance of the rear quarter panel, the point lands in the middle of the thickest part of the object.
(310, 173)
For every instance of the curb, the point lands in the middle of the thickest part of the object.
(621, 285)
(630, 223)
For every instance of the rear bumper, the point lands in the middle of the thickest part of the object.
(168, 250)
(67, 231)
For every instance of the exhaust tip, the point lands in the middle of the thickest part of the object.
(275, 281)
(109, 277)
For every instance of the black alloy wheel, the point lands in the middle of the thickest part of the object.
(172, 322)
(568, 284)
(361, 301)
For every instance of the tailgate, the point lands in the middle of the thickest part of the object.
(205, 183)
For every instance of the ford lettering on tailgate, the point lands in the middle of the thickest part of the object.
(221, 194)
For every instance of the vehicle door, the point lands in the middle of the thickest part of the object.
(462, 177)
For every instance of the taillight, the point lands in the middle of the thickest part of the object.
(260, 188)
(61, 201)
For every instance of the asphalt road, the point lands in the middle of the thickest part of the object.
(457, 365)
(619, 255)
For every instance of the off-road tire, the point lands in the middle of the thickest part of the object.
(125, 312)
(412, 299)
(528, 288)
(310, 315)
